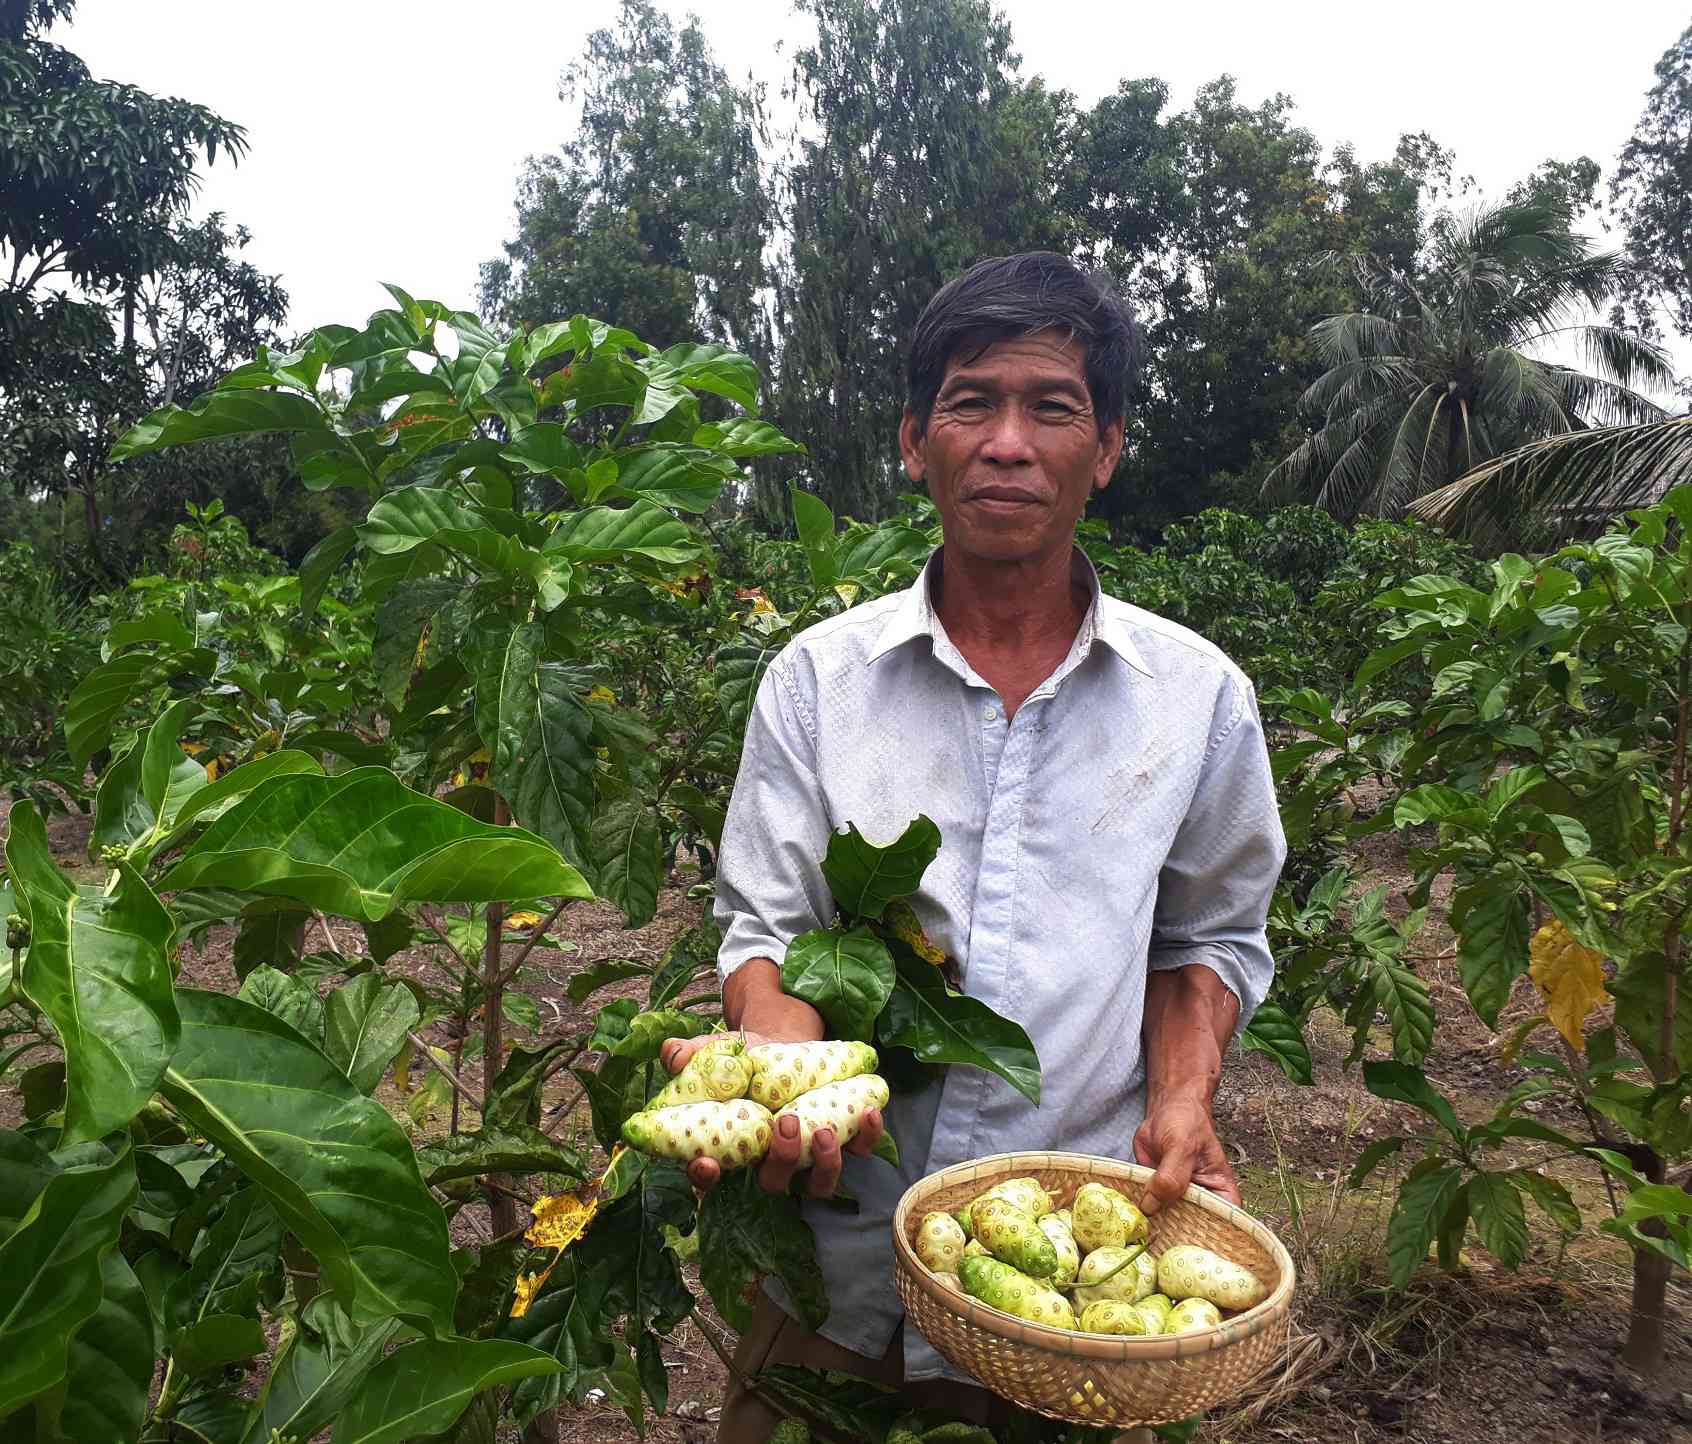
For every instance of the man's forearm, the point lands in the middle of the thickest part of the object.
(754, 1002)
(1189, 1022)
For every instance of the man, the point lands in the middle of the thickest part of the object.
(1109, 833)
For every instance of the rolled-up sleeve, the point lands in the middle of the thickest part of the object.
(1216, 883)
(770, 886)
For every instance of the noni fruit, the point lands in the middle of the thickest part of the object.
(1101, 1217)
(976, 1249)
(940, 1243)
(999, 1285)
(1160, 1304)
(1063, 1242)
(951, 1280)
(1191, 1315)
(734, 1133)
(1014, 1237)
(1187, 1271)
(839, 1106)
(1025, 1193)
(716, 1076)
(782, 1071)
(1113, 1316)
(1114, 1273)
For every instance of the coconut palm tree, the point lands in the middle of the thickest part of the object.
(1576, 482)
(1435, 375)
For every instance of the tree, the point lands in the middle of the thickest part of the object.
(921, 153)
(1219, 223)
(97, 177)
(1652, 193)
(1434, 373)
(655, 215)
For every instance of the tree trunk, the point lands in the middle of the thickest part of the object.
(502, 1208)
(91, 519)
(1647, 1321)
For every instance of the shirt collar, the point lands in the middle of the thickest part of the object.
(914, 618)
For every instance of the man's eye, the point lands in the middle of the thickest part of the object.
(1055, 408)
(970, 403)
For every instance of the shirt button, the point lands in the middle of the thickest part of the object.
(989, 713)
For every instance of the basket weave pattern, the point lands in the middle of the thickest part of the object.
(1096, 1378)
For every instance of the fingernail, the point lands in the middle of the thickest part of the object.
(823, 1138)
(789, 1126)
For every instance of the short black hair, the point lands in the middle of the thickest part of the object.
(1017, 296)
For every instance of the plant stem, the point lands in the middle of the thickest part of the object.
(459, 1085)
(502, 1212)
(532, 941)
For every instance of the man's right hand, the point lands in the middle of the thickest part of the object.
(754, 1001)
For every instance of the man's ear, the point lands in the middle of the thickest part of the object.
(913, 447)
(1110, 451)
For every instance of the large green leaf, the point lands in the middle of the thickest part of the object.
(713, 368)
(942, 1026)
(570, 1321)
(361, 842)
(318, 1369)
(52, 1272)
(98, 965)
(335, 1164)
(1491, 919)
(321, 563)
(215, 798)
(1499, 1218)
(96, 700)
(1274, 1031)
(109, 1366)
(628, 855)
(364, 1025)
(422, 1388)
(240, 1248)
(514, 1148)
(150, 781)
(744, 1234)
(1404, 1083)
(1417, 1213)
(846, 976)
(293, 1000)
(815, 524)
(1403, 997)
(865, 877)
(682, 477)
(541, 737)
(240, 412)
(603, 534)
(739, 671)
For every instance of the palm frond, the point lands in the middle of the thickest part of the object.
(1575, 483)
(1597, 402)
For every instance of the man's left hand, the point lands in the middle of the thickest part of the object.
(1178, 1139)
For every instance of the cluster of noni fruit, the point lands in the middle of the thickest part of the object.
(1014, 1249)
(725, 1102)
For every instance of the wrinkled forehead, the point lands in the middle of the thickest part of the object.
(1053, 352)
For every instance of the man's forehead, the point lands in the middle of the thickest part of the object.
(1052, 355)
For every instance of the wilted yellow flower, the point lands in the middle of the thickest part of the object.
(1571, 977)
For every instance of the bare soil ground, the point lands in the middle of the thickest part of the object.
(1530, 1356)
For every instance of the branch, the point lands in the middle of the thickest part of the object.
(533, 940)
(428, 1056)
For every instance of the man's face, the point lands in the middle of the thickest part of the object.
(1012, 450)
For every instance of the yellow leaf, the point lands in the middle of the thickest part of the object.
(1571, 978)
(602, 694)
(901, 920)
(522, 919)
(846, 591)
(526, 1286)
(211, 770)
(560, 1219)
(193, 749)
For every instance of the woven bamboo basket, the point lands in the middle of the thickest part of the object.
(1093, 1378)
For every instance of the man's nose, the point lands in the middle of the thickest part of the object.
(1010, 439)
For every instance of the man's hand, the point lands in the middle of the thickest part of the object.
(755, 1004)
(1178, 1139)
(1189, 1021)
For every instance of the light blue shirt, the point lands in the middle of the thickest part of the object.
(1124, 819)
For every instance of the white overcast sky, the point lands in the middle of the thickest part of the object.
(386, 137)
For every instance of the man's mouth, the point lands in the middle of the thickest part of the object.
(999, 498)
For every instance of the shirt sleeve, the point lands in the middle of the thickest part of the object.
(770, 886)
(1214, 888)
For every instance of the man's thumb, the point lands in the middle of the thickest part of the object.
(1165, 1186)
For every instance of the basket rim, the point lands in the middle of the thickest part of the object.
(1120, 1348)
